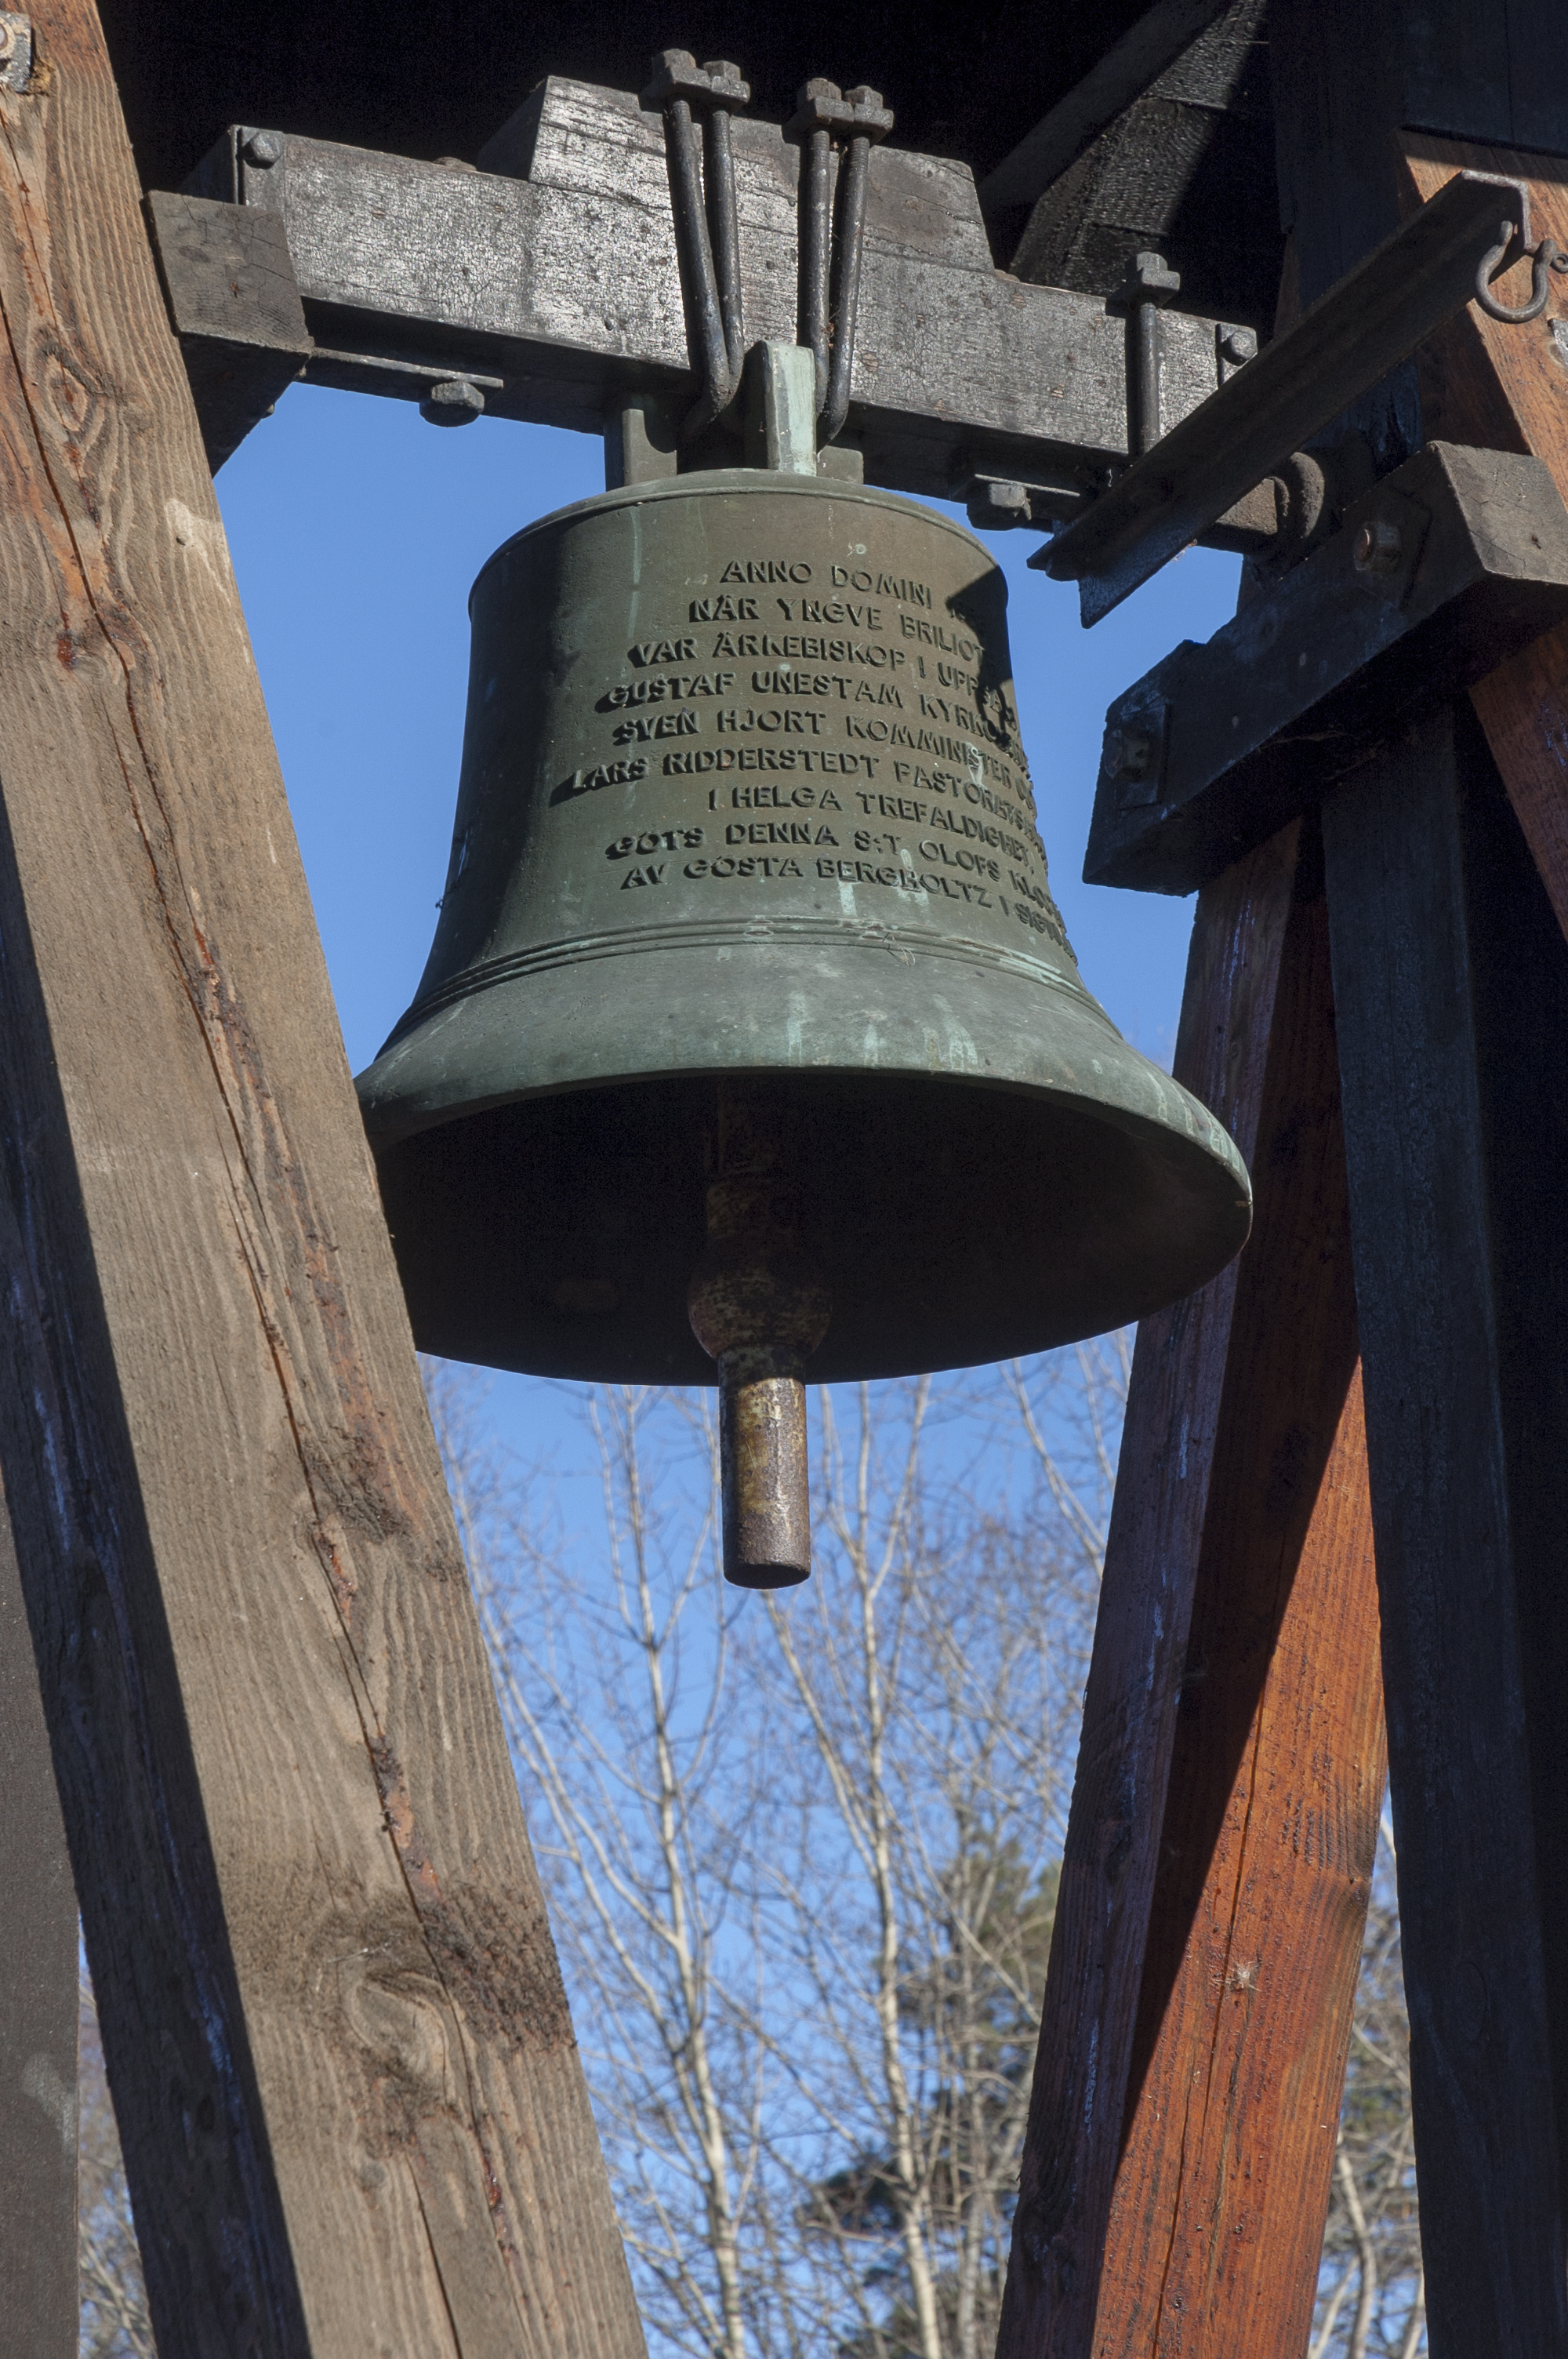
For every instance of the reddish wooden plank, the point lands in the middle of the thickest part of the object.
(353, 2114)
(1276, 1780)
(1505, 387)
(1162, 1505)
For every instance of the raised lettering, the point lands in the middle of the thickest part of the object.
(604, 774)
(662, 651)
(661, 724)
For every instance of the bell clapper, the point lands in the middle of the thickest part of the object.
(759, 1308)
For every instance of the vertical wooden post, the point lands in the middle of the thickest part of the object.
(1271, 1819)
(1451, 981)
(1236, 1590)
(353, 2114)
(38, 2300)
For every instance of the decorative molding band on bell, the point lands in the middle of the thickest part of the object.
(733, 738)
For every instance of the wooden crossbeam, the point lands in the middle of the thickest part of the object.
(554, 270)
(353, 2114)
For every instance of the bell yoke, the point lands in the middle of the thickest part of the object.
(750, 1042)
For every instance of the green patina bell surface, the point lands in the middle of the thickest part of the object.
(744, 802)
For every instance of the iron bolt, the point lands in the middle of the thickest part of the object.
(261, 149)
(1149, 278)
(994, 504)
(1128, 753)
(454, 403)
(1379, 547)
(1238, 344)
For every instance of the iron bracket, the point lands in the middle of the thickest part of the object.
(16, 50)
(1443, 570)
(1349, 339)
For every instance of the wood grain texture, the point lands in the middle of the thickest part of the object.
(1507, 387)
(353, 2114)
(1451, 992)
(1162, 1498)
(1154, 41)
(38, 2299)
(1276, 1779)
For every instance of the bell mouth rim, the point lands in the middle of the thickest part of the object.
(1209, 1136)
(721, 480)
(487, 1280)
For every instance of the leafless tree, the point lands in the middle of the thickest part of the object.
(801, 1850)
(1372, 2295)
(801, 1854)
(114, 2322)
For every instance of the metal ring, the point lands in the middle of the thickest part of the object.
(1546, 257)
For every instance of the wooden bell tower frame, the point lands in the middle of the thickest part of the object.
(242, 1679)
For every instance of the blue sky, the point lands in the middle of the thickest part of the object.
(356, 532)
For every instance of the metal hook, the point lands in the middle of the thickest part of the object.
(830, 261)
(1546, 257)
(706, 230)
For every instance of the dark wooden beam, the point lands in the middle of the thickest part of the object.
(352, 2106)
(1238, 1468)
(1185, 166)
(38, 2011)
(1451, 987)
(1108, 90)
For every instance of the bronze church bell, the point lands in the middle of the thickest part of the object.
(751, 1032)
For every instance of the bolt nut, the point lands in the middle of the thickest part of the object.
(995, 505)
(454, 403)
(262, 148)
(1128, 753)
(1238, 344)
(1380, 547)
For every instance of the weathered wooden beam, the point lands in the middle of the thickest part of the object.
(38, 2300)
(554, 268)
(1270, 1821)
(1237, 1395)
(353, 2114)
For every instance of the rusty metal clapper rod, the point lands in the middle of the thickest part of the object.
(829, 265)
(1350, 338)
(708, 238)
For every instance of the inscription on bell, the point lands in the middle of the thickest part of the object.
(864, 680)
(672, 687)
